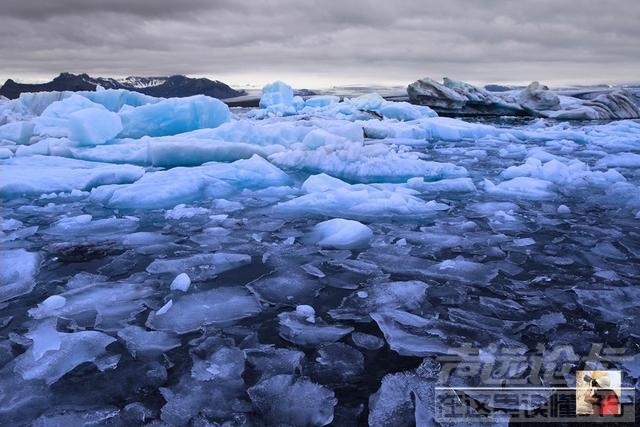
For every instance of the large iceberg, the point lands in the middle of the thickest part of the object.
(536, 100)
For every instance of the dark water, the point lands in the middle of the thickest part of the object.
(516, 274)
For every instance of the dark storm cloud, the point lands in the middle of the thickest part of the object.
(365, 41)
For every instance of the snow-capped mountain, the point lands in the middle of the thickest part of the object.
(173, 86)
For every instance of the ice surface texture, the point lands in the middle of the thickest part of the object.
(175, 262)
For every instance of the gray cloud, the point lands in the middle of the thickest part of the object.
(324, 41)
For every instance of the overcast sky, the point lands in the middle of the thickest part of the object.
(325, 42)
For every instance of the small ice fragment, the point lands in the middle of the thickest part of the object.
(307, 312)
(362, 294)
(564, 209)
(528, 241)
(313, 270)
(164, 308)
(342, 234)
(181, 282)
(366, 341)
(53, 302)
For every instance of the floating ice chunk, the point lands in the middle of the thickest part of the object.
(620, 160)
(527, 241)
(449, 129)
(321, 101)
(407, 295)
(92, 126)
(278, 399)
(200, 266)
(459, 269)
(307, 312)
(78, 415)
(286, 288)
(53, 302)
(563, 210)
(54, 120)
(337, 363)
(143, 343)
(116, 99)
(224, 364)
(190, 397)
(276, 93)
(183, 212)
(366, 341)
(184, 185)
(173, 116)
(403, 399)
(195, 148)
(313, 270)
(523, 188)
(273, 361)
(332, 197)
(216, 307)
(364, 163)
(341, 234)
(404, 111)
(408, 334)
(74, 349)
(145, 238)
(36, 175)
(573, 174)
(17, 132)
(162, 310)
(84, 225)
(322, 182)
(453, 185)
(45, 337)
(110, 303)
(296, 329)
(5, 153)
(181, 283)
(18, 272)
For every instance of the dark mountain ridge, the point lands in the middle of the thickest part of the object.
(165, 87)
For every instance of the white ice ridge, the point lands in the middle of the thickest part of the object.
(183, 185)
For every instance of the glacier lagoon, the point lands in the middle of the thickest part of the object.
(307, 262)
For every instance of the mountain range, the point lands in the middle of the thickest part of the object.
(165, 87)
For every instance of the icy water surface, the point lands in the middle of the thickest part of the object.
(191, 278)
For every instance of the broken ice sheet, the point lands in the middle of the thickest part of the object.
(111, 302)
(407, 295)
(72, 350)
(18, 272)
(200, 266)
(278, 400)
(460, 269)
(337, 363)
(286, 288)
(143, 343)
(298, 330)
(216, 307)
(270, 361)
(189, 397)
